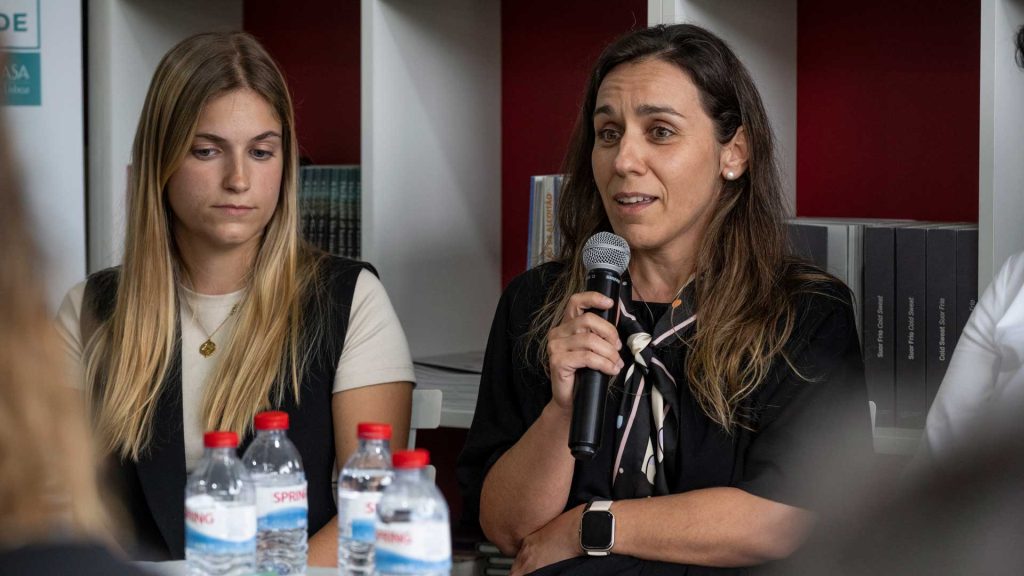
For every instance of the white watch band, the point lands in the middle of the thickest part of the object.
(600, 505)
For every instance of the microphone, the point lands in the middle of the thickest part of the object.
(605, 257)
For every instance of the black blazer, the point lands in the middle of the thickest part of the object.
(152, 489)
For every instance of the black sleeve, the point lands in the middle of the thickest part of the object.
(812, 434)
(513, 390)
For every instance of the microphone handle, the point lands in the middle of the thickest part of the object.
(590, 390)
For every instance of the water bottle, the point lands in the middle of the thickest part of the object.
(220, 512)
(362, 480)
(412, 522)
(281, 505)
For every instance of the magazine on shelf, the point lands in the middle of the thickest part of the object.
(544, 239)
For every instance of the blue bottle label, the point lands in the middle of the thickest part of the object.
(282, 507)
(213, 527)
(411, 548)
(357, 512)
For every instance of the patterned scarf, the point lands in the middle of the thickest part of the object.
(647, 426)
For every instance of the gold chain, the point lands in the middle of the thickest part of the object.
(208, 347)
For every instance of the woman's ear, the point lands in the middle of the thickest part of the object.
(735, 155)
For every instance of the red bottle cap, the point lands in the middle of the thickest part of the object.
(271, 420)
(409, 459)
(373, 431)
(220, 439)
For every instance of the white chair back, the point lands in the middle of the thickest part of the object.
(426, 415)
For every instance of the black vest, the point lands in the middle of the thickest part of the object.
(152, 489)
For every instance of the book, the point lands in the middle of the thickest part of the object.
(855, 273)
(810, 242)
(334, 222)
(878, 322)
(329, 207)
(940, 307)
(844, 255)
(911, 277)
(966, 276)
(487, 549)
(543, 238)
(534, 224)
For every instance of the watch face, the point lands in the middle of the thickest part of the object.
(596, 530)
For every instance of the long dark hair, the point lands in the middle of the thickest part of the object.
(744, 277)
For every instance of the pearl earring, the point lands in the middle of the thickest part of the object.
(730, 175)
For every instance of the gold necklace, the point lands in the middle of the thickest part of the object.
(208, 347)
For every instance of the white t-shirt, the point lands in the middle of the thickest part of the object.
(375, 350)
(985, 378)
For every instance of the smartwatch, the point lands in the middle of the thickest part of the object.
(597, 528)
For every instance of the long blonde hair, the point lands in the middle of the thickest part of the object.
(745, 275)
(131, 353)
(47, 465)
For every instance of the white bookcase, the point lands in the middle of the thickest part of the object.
(1001, 139)
(764, 33)
(431, 158)
(431, 137)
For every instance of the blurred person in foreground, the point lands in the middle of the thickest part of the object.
(960, 508)
(51, 518)
(986, 371)
(736, 368)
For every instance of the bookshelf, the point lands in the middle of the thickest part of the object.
(452, 92)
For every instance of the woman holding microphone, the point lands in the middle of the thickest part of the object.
(736, 374)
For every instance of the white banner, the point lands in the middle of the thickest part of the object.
(42, 79)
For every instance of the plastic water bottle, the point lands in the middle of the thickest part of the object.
(360, 485)
(281, 504)
(412, 522)
(220, 512)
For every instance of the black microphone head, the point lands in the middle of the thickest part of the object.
(607, 251)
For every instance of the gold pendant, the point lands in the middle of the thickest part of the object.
(208, 348)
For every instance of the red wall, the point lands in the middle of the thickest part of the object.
(887, 107)
(887, 98)
(546, 54)
(316, 43)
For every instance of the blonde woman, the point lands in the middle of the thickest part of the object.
(51, 520)
(219, 310)
(736, 370)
